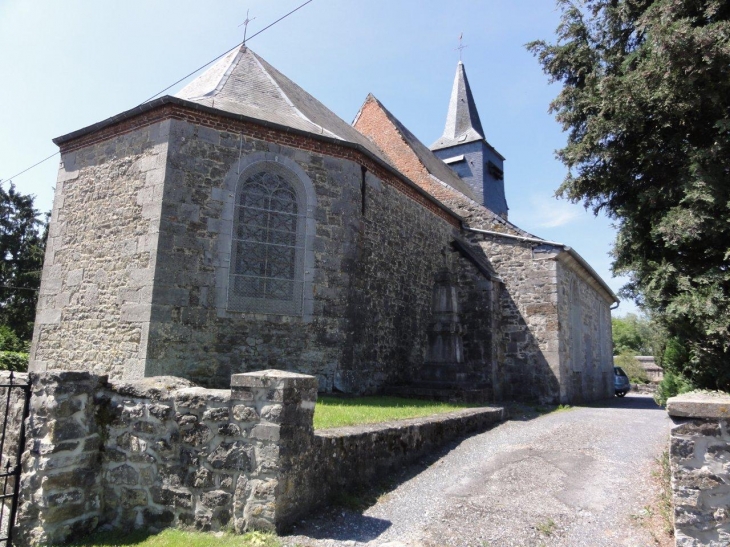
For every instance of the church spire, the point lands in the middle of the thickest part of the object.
(464, 148)
(462, 121)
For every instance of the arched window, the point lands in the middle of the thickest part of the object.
(269, 234)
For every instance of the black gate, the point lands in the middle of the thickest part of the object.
(12, 444)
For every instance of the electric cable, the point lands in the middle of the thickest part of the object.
(173, 85)
(29, 168)
(226, 52)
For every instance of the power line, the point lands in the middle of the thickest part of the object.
(177, 82)
(29, 168)
(226, 52)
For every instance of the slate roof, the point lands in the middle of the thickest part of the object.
(462, 120)
(433, 165)
(243, 83)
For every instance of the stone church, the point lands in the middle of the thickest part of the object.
(241, 225)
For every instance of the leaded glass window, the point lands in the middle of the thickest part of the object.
(268, 245)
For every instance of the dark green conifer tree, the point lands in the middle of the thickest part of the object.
(22, 245)
(646, 104)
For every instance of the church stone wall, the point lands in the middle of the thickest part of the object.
(401, 247)
(528, 360)
(586, 346)
(479, 310)
(93, 310)
(190, 336)
(376, 253)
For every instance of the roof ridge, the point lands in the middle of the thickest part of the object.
(227, 73)
(432, 165)
(287, 98)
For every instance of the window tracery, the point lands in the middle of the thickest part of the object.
(268, 239)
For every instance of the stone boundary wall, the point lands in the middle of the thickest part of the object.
(699, 451)
(162, 452)
(347, 458)
(157, 452)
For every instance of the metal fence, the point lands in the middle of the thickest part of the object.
(12, 443)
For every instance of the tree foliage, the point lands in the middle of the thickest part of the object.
(632, 334)
(22, 243)
(632, 367)
(645, 100)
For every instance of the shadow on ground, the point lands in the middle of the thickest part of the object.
(344, 520)
(632, 401)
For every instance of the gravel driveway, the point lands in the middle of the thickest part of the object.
(579, 477)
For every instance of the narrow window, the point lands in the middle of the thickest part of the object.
(268, 244)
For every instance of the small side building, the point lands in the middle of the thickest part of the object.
(653, 371)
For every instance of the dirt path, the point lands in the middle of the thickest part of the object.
(580, 477)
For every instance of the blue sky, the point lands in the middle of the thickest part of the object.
(69, 64)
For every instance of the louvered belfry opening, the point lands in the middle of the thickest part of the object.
(268, 243)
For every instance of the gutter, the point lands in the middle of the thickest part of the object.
(572, 252)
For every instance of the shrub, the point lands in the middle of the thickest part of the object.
(14, 360)
(9, 340)
(672, 384)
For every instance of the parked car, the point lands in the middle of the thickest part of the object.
(621, 382)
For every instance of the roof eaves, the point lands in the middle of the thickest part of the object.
(565, 248)
(169, 99)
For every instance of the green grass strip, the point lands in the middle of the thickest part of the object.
(179, 538)
(340, 411)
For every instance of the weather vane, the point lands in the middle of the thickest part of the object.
(245, 27)
(461, 46)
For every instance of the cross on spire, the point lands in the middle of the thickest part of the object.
(461, 45)
(245, 27)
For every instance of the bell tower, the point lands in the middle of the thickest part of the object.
(465, 149)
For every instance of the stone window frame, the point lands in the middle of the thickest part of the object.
(307, 199)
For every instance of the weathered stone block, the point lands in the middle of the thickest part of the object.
(198, 435)
(75, 478)
(272, 413)
(161, 412)
(110, 455)
(216, 498)
(172, 497)
(682, 449)
(157, 520)
(216, 414)
(66, 497)
(67, 429)
(699, 405)
(697, 427)
(243, 413)
(229, 430)
(123, 475)
(127, 441)
(187, 419)
(148, 428)
(265, 432)
(231, 455)
(133, 497)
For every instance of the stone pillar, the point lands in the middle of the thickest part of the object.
(285, 402)
(60, 485)
(699, 452)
